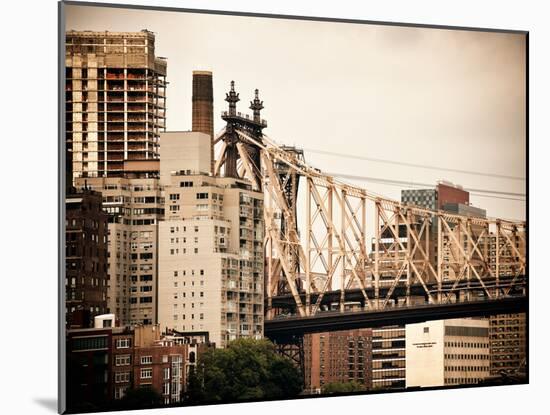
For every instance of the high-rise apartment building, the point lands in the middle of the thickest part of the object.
(447, 352)
(338, 356)
(507, 336)
(115, 101)
(86, 278)
(134, 207)
(211, 254)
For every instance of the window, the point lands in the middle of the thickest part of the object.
(146, 373)
(120, 392)
(426, 329)
(174, 208)
(146, 360)
(122, 377)
(166, 371)
(122, 343)
(202, 195)
(166, 388)
(122, 360)
(174, 196)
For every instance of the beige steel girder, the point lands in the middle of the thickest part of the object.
(415, 254)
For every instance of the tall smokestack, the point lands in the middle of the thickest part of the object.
(203, 108)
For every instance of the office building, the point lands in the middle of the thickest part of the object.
(388, 357)
(115, 101)
(210, 252)
(444, 193)
(86, 278)
(447, 352)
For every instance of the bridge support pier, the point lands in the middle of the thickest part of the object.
(292, 347)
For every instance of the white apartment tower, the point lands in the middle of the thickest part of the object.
(210, 252)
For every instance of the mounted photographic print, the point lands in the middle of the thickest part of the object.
(260, 207)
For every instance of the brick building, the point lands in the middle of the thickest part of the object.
(339, 356)
(86, 258)
(104, 363)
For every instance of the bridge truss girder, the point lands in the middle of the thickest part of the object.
(451, 257)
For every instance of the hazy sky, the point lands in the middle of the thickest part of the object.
(446, 98)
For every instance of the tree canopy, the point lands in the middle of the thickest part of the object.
(342, 387)
(246, 370)
(138, 398)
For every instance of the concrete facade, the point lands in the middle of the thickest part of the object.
(115, 101)
(447, 352)
(210, 248)
(134, 206)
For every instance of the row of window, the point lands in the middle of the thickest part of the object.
(184, 240)
(466, 368)
(142, 300)
(183, 294)
(184, 251)
(184, 272)
(201, 316)
(192, 284)
(478, 345)
(142, 289)
(462, 381)
(177, 229)
(183, 305)
(467, 356)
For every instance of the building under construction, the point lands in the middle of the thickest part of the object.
(115, 101)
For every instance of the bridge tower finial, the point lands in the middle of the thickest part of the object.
(232, 98)
(256, 106)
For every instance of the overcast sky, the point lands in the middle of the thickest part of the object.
(445, 98)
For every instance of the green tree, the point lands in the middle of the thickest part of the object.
(342, 387)
(246, 369)
(140, 398)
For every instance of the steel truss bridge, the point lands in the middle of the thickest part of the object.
(355, 252)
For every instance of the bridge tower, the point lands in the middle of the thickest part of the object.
(238, 157)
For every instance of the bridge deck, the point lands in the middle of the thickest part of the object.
(281, 329)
